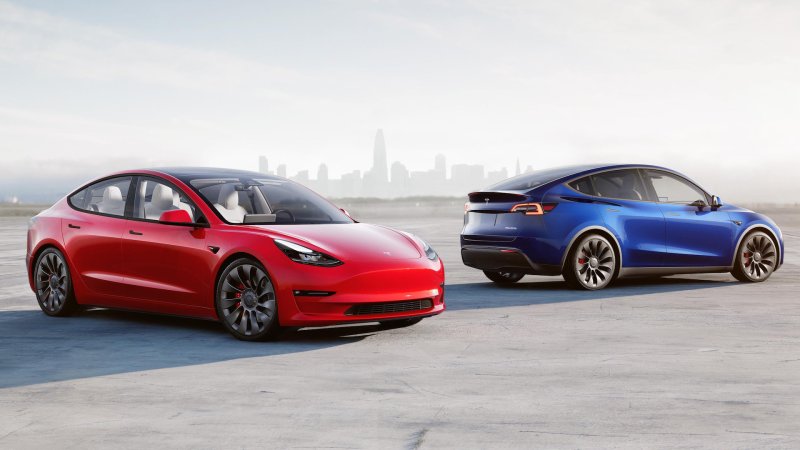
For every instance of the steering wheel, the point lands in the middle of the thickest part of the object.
(277, 213)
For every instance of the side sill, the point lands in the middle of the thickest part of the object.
(649, 271)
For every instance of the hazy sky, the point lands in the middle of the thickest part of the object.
(711, 88)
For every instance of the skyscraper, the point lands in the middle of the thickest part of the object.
(380, 165)
(440, 166)
(263, 164)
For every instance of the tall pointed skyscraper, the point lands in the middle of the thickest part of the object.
(380, 165)
(518, 170)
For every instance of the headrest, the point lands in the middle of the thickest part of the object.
(162, 197)
(228, 197)
(112, 194)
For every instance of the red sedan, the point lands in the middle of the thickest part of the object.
(254, 251)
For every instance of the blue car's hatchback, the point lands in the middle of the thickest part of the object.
(593, 224)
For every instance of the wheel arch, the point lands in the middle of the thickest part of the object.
(758, 227)
(38, 250)
(595, 229)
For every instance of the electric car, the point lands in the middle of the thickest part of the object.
(595, 223)
(254, 251)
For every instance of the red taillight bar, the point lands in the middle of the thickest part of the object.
(533, 209)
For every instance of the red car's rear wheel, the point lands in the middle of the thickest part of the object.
(245, 301)
(53, 284)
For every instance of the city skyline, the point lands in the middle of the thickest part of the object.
(385, 180)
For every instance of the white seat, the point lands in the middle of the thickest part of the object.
(228, 204)
(160, 201)
(112, 202)
(176, 201)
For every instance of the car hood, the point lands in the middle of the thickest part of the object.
(351, 240)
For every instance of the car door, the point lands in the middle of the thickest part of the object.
(165, 262)
(632, 215)
(696, 236)
(93, 232)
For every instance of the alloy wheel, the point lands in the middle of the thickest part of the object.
(594, 263)
(52, 282)
(758, 257)
(247, 300)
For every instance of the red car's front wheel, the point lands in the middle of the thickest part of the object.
(245, 301)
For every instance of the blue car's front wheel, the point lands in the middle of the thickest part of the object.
(591, 264)
(756, 258)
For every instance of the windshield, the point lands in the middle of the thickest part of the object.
(262, 201)
(536, 178)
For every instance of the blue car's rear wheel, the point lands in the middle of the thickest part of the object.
(591, 264)
(756, 258)
(245, 301)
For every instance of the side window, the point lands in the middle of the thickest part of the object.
(625, 184)
(672, 189)
(153, 197)
(106, 197)
(583, 185)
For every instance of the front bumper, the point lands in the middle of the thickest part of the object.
(336, 295)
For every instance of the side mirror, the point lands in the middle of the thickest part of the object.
(699, 204)
(716, 202)
(347, 214)
(176, 217)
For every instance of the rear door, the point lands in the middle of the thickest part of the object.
(633, 215)
(695, 236)
(93, 235)
(164, 262)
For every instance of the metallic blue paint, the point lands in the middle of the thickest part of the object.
(648, 233)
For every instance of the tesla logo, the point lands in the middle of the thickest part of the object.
(387, 253)
(486, 200)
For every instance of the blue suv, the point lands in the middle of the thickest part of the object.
(593, 224)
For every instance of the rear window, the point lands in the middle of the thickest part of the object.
(530, 180)
(106, 197)
(583, 185)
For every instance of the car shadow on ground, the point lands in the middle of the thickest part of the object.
(35, 348)
(555, 290)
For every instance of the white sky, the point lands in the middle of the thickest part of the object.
(710, 88)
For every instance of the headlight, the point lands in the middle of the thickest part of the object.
(303, 255)
(429, 251)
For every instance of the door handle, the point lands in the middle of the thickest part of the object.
(74, 226)
(135, 233)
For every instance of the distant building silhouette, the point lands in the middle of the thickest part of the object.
(385, 181)
(263, 164)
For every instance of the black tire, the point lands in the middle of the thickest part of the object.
(756, 258)
(245, 301)
(401, 323)
(504, 277)
(591, 263)
(53, 282)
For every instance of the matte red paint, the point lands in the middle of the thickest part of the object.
(170, 268)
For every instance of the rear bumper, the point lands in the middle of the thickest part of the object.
(504, 259)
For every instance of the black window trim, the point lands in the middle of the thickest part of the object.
(652, 198)
(128, 210)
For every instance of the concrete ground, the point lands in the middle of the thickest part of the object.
(690, 361)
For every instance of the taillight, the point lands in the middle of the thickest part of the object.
(534, 209)
(466, 207)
